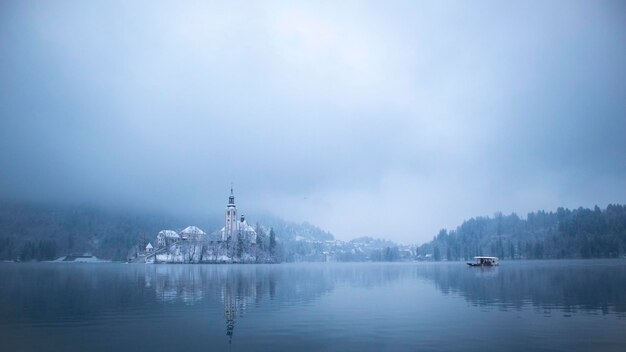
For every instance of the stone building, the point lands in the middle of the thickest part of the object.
(167, 237)
(233, 226)
(192, 233)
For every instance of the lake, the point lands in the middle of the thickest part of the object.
(520, 306)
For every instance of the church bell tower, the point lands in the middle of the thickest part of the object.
(230, 224)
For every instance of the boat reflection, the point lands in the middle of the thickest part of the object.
(585, 286)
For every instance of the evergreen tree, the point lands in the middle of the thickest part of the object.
(272, 244)
(240, 245)
(436, 254)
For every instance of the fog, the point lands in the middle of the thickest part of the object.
(392, 119)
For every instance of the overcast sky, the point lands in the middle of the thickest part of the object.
(386, 118)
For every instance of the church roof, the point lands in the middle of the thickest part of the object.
(243, 226)
(192, 230)
(169, 234)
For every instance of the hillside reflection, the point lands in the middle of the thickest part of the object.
(570, 286)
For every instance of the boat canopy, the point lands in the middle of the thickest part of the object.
(496, 258)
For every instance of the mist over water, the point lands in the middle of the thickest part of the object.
(519, 306)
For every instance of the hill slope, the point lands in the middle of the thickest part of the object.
(34, 231)
(578, 233)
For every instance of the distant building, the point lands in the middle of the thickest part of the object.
(234, 227)
(149, 247)
(167, 237)
(192, 233)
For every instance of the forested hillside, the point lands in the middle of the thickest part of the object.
(35, 231)
(31, 231)
(579, 233)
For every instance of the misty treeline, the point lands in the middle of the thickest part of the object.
(578, 233)
(39, 231)
(362, 249)
(390, 253)
(32, 231)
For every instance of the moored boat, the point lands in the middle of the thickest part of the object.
(484, 261)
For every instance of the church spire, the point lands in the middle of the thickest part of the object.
(230, 220)
(231, 199)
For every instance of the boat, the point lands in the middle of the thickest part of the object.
(484, 261)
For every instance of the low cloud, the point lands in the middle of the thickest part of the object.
(392, 120)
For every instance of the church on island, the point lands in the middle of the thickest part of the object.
(237, 241)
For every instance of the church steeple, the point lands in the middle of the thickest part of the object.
(230, 219)
(231, 199)
(233, 226)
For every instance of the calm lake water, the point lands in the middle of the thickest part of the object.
(519, 306)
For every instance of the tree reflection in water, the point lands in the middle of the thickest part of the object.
(588, 286)
(241, 286)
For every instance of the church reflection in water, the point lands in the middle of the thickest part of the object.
(239, 287)
(235, 286)
(236, 295)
